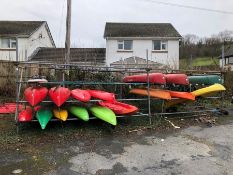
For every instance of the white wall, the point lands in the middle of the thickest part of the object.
(171, 57)
(26, 46)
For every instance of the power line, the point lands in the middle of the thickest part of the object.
(191, 7)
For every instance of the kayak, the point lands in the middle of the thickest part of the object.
(104, 114)
(9, 108)
(157, 93)
(35, 95)
(205, 79)
(157, 78)
(180, 79)
(61, 114)
(44, 116)
(209, 90)
(81, 95)
(25, 115)
(197, 93)
(119, 108)
(102, 95)
(59, 95)
(183, 95)
(177, 94)
(79, 112)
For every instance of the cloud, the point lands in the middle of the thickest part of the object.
(89, 16)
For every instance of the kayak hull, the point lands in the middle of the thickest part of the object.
(79, 112)
(35, 95)
(61, 114)
(9, 108)
(157, 78)
(205, 80)
(104, 114)
(179, 79)
(44, 116)
(119, 108)
(81, 95)
(102, 95)
(25, 115)
(156, 93)
(59, 95)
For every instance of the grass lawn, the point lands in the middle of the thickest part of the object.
(201, 61)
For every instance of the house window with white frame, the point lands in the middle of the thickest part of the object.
(159, 45)
(8, 43)
(125, 45)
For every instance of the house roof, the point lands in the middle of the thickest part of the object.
(137, 62)
(77, 55)
(19, 28)
(140, 30)
(229, 52)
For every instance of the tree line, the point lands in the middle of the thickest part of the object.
(194, 46)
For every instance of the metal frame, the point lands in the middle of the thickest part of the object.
(63, 67)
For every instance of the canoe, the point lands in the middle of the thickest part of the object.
(35, 95)
(102, 95)
(205, 79)
(44, 116)
(59, 95)
(157, 78)
(25, 115)
(61, 114)
(79, 112)
(81, 95)
(197, 93)
(179, 79)
(209, 90)
(104, 114)
(9, 108)
(156, 93)
(119, 108)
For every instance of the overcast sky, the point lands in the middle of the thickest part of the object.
(89, 16)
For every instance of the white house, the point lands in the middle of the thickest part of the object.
(30, 36)
(227, 62)
(124, 40)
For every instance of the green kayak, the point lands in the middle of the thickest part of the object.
(43, 116)
(205, 79)
(79, 112)
(104, 114)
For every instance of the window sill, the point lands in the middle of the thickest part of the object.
(124, 51)
(7, 49)
(159, 51)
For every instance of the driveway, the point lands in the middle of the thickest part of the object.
(193, 151)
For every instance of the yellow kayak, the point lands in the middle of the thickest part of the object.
(61, 114)
(209, 90)
(197, 93)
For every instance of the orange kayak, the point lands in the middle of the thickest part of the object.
(157, 93)
(183, 95)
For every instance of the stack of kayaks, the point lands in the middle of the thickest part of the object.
(105, 110)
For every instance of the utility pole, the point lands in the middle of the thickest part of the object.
(223, 56)
(68, 29)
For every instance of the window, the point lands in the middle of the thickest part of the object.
(159, 45)
(125, 45)
(8, 43)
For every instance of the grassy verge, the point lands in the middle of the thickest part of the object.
(201, 61)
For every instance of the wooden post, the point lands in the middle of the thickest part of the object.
(68, 29)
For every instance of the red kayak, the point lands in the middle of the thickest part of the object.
(81, 95)
(102, 95)
(157, 78)
(25, 115)
(35, 95)
(9, 108)
(119, 108)
(180, 79)
(59, 95)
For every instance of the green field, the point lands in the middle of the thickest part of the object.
(201, 61)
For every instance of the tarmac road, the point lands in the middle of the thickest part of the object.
(193, 151)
